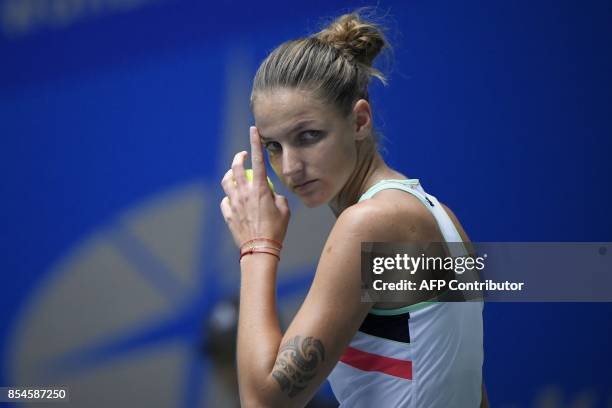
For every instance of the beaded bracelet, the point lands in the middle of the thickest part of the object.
(259, 246)
(253, 248)
(279, 244)
(257, 251)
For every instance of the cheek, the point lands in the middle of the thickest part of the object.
(342, 160)
(337, 165)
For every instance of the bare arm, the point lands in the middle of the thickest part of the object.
(259, 333)
(286, 371)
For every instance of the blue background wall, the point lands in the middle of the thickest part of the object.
(502, 109)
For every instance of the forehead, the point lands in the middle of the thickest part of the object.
(279, 111)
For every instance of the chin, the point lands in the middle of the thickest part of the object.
(312, 203)
(315, 198)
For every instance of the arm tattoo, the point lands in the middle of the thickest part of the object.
(297, 363)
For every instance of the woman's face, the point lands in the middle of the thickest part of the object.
(310, 145)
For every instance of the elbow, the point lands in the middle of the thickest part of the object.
(267, 395)
(257, 396)
(255, 400)
(252, 401)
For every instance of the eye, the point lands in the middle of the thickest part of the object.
(310, 136)
(272, 147)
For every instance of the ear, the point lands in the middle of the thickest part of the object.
(362, 115)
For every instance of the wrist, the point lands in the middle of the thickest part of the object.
(270, 253)
(259, 260)
(260, 246)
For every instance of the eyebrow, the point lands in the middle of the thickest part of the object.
(299, 126)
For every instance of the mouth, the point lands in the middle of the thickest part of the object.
(304, 186)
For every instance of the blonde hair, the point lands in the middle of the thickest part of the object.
(334, 64)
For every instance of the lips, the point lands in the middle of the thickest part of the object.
(303, 186)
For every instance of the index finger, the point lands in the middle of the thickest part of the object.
(257, 160)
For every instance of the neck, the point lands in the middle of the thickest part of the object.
(370, 169)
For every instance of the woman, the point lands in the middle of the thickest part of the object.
(310, 102)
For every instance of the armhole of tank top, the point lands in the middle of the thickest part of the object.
(393, 184)
(404, 309)
(404, 185)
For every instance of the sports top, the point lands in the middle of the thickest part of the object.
(429, 354)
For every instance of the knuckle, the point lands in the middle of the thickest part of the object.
(226, 177)
(237, 158)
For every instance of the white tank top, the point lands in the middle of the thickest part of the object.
(426, 355)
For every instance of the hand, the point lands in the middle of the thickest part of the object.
(251, 210)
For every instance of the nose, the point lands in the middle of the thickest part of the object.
(292, 163)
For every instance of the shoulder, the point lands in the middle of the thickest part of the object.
(390, 215)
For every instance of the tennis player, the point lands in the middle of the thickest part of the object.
(312, 115)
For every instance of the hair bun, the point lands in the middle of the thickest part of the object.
(357, 39)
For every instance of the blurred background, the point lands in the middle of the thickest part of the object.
(118, 118)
